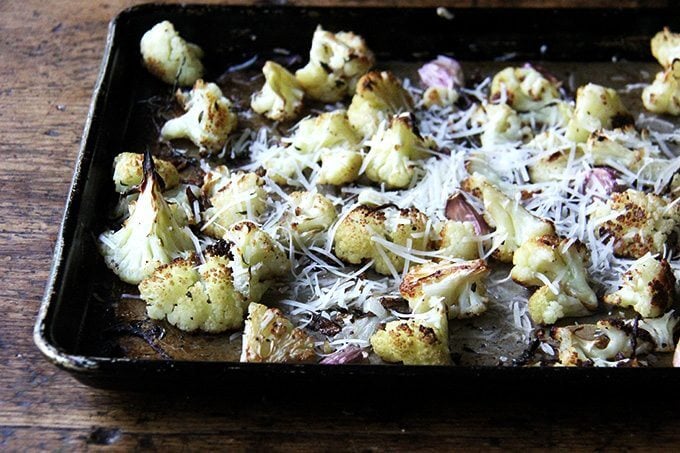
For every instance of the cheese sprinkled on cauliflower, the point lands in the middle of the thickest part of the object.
(638, 222)
(597, 107)
(311, 215)
(524, 88)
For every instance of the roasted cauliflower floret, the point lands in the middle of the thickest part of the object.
(501, 125)
(376, 233)
(458, 240)
(281, 95)
(648, 287)
(661, 330)
(242, 197)
(337, 143)
(663, 95)
(270, 337)
(257, 261)
(597, 107)
(312, 214)
(422, 340)
(149, 238)
(379, 96)
(184, 204)
(560, 263)
(523, 88)
(546, 307)
(194, 296)
(666, 47)
(208, 120)
(214, 180)
(555, 114)
(393, 152)
(638, 222)
(336, 61)
(460, 286)
(625, 147)
(514, 224)
(128, 171)
(556, 152)
(169, 57)
(605, 344)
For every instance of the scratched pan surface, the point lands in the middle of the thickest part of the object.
(87, 325)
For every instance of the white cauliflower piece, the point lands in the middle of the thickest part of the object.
(311, 215)
(625, 147)
(257, 261)
(208, 120)
(169, 57)
(195, 296)
(340, 167)
(184, 204)
(393, 152)
(281, 95)
(514, 224)
(523, 88)
(606, 344)
(270, 337)
(149, 238)
(501, 125)
(638, 222)
(242, 197)
(128, 172)
(561, 263)
(661, 330)
(648, 286)
(554, 157)
(214, 180)
(555, 114)
(382, 234)
(663, 95)
(422, 340)
(379, 96)
(546, 307)
(460, 286)
(458, 240)
(440, 96)
(336, 61)
(597, 107)
(666, 47)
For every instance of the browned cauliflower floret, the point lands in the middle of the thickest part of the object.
(169, 57)
(597, 107)
(648, 286)
(270, 337)
(379, 96)
(514, 224)
(554, 158)
(281, 95)
(549, 260)
(336, 61)
(241, 196)
(637, 222)
(312, 214)
(524, 88)
(458, 240)
(422, 340)
(663, 95)
(394, 152)
(128, 171)
(195, 296)
(377, 233)
(208, 120)
(460, 286)
(666, 47)
(606, 344)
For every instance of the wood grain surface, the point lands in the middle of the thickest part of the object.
(50, 54)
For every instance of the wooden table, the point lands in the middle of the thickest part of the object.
(50, 57)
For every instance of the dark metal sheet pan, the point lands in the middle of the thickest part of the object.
(76, 308)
